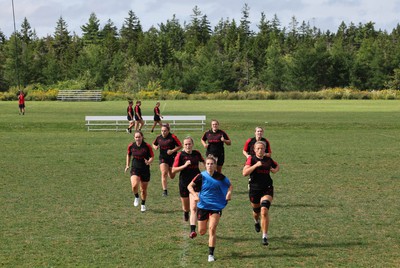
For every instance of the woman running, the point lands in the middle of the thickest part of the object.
(216, 191)
(187, 163)
(142, 156)
(168, 144)
(261, 189)
(213, 140)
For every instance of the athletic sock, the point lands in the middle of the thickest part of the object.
(211, 250)
(265, 235)
(143, 202)
(193, 228)
(165, 191)
(137, 195)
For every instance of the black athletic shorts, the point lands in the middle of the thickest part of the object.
(204, 214)
(255, 195)
(169, 160)
(143, 174)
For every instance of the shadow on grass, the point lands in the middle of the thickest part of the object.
(300, 205)
(240, 255)
(279, 251)
(343, 244)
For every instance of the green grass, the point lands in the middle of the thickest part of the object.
(65, 200)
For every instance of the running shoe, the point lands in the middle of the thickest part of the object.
(257, 227)
(265, 241)
(192, 235)
(143, 208)
(211, 258)
(136, 202)
(127, 130)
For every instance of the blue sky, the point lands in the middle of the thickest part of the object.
(324, 14)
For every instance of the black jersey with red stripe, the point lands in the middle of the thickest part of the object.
(187, 174)
(139, 154)
(215, 145)
(260, 178)
(138, 112)
(249, 145)
(168, 143)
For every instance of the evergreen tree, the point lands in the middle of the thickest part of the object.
(91, 31)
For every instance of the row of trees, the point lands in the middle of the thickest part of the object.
(196, 58)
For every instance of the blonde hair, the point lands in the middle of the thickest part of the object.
(212, 157)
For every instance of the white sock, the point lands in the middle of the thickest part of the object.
(265, 235)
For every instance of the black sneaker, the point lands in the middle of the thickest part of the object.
(257, 227)
(186, 216)
(265, 241)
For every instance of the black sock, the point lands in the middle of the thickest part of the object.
(137, 195)
(165, 191)
(143, 202)
(211, 250)
(193, 228)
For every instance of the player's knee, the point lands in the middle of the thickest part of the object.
(265, 204)
(257, 210)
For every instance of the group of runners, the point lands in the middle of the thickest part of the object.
(203, 194)
(134, 116)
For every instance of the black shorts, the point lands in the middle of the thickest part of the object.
(21, 106)
(255, 195)
(137, 118)
(129, 118)
(157, 118)
(169, 160)
(204, 214)
(143, 174)
(183, 190)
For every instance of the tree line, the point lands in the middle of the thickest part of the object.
(196, 57)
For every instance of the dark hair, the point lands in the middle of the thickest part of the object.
(167, 126)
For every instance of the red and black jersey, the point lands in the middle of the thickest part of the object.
(215, 145)
(21, 99)
(138, 112)
(129, 111)
(156, 111)
(167, 143)
(249, 146)
(139, 154)
(187, 174)
(260, 178)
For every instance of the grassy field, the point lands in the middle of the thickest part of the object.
(65, 200)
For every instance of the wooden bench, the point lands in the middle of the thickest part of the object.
(79, 95)
(120, 123)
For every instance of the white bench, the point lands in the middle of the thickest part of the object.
(79, 95)
(120, 123)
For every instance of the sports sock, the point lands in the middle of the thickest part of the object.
(143, 202)
(193, 228)
(211, 250)
(137, 195)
